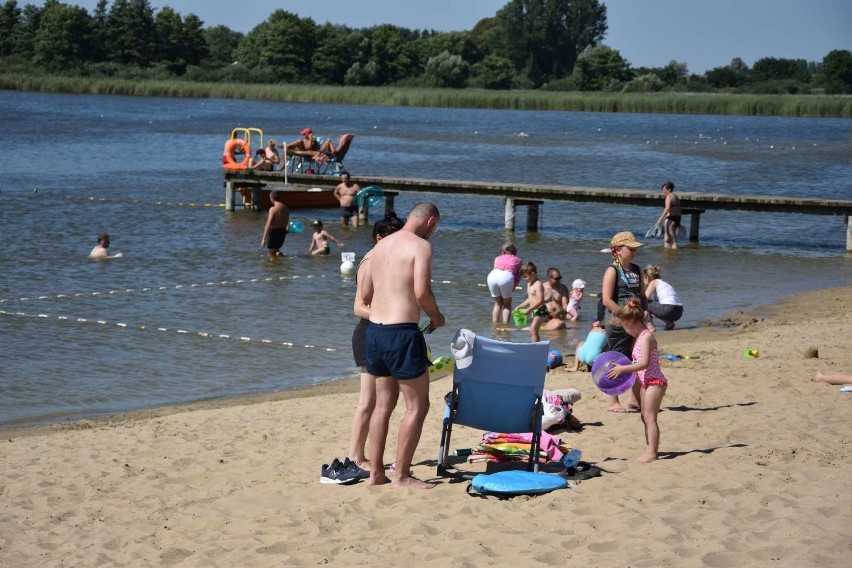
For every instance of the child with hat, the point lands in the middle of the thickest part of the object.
(622, 282)
(319, 240)
(574, 299)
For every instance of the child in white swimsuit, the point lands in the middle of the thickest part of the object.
(573, 309)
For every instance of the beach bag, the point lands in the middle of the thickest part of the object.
(514, 482)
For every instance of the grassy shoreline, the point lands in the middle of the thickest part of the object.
(822, 106)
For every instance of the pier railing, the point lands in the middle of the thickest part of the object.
(532, 195)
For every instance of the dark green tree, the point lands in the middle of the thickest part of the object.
(10, 27)
(494, 72)
(168, 31)
(644, 83)
(26, 31)
(543, 38)
(735, 74)
(194, 44)
(99, 34)
(837, 71)
(284, 44)
(337, 49)
(455, 43)
(447, 70)
(221, 44)
(63, 37)
(362, 75)
(674, 73)
(600, 68)
(774, 69)
(391, 53)
(130, 33)
(485, 35)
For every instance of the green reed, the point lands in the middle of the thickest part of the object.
(838, 106)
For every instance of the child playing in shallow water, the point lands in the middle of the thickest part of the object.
(646, 364)
(320, 238)
(575, 298)
(534, 304)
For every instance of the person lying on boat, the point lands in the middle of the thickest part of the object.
(310, 146)
(266, 159)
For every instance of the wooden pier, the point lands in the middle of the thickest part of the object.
(532, 196)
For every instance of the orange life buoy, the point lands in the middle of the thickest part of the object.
(229, 159)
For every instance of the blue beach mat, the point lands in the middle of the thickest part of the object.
(510, 483)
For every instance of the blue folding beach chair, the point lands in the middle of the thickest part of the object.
(500, 391)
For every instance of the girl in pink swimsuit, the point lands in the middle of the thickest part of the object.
(646, 364)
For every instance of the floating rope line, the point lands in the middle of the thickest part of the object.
(204, 334)
(92, 199)
(157, 288)
(194, 285)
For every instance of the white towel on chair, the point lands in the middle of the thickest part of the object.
(462, 348)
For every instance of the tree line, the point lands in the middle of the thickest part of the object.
(528, 44)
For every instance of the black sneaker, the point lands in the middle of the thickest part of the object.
(336, 474)
(350, 465)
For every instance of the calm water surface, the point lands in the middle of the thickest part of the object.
(196, 311)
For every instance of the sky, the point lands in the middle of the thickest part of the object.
(648, 33)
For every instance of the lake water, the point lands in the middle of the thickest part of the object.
(196, 311)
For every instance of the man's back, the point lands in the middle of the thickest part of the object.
(401, 272)
(279, 215)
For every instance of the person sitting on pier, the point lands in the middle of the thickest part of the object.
(309, 146)
(100, 252)
(319, 240)
(266, 159)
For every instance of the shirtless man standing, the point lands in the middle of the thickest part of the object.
(397, 286)
(345, 193)
(275, 230)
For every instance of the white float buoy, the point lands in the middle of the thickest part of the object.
(347, 268)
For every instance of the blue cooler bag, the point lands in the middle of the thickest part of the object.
(509, 483)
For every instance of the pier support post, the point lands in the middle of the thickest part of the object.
(694, 224)
(532, 212)
(848, 221)
(509, 215)
(532, 216)
(230, 196)
(256, 198)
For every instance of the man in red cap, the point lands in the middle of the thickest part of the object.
(309, 146)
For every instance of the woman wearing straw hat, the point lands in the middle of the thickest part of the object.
(622, 281)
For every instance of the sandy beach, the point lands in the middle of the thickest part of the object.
(756, 470)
